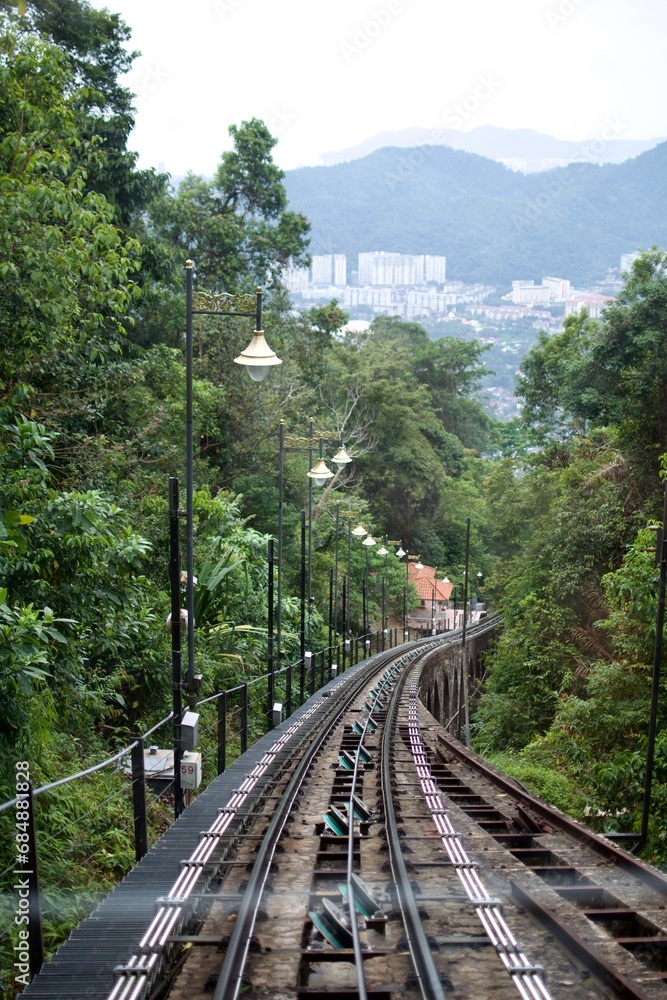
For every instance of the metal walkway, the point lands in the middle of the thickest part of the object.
(84, 965)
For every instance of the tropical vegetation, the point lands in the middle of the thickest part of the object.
(92, 412)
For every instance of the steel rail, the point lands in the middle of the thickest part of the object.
(134, 977)
(230, 978)
(580, 950)
(526, 977)
(429, 980)
(653, 878)
(354, 923)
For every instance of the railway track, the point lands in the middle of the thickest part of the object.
(605, 907)
(369, 855)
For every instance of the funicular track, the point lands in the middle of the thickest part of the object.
(606, 908)
(323, 900)
(368, 854)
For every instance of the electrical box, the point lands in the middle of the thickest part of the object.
(334, 669)
(190, 770)
(189, 730)
(277, 713)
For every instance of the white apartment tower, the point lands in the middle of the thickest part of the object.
(339, 269)
(435, 269)
(383, 268)
(329, 269)
(321, 269)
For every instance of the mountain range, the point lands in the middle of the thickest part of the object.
(521, 149)
(493, 224)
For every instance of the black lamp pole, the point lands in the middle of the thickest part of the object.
(258, 359)
(464, 672)
(661, 556)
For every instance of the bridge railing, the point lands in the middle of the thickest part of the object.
(241, 714)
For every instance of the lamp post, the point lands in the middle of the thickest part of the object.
(369, 542)
(318, 475)
(400, 552)
(661, 559)
(384, 551)
(464, 672)
(258, 358)
(445, 580)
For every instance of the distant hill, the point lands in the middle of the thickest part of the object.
(491, 223)
(517, 148)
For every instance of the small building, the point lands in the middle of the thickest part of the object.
(434, 595)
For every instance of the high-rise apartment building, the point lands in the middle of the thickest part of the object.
(321, 269)
(339, 269)
(559, 288)
(435, 269)
(628, 259)
(551, 290)
(329, 269)
(383, 268)
(296, 278)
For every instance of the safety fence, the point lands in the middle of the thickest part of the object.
(53, 822)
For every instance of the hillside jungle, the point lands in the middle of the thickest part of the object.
(92, 403)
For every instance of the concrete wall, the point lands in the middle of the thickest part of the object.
(440, 682)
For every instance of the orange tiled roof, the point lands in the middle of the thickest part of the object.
(425, 582)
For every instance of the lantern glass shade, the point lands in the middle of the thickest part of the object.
(382, 551)
(320, 473)
(445, 579)
(419, 564)
(399, 552)
(359, 531)
(258, 357)
(368, 540)
(341, 457)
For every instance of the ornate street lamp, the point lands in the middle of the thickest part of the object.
(446, 579)
(384, 551)
(369, 542)
(258, 359)
(318, 475)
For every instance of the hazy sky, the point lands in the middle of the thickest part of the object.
(327, 75)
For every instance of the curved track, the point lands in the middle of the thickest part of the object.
(607, 909)
(369, 855)
(334, 901)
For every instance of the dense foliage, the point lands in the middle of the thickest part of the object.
(92, 411)
(575, 574)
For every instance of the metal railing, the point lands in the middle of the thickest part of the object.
(240, 715)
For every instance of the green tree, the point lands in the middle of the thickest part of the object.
(236, 227)
(611, 373)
